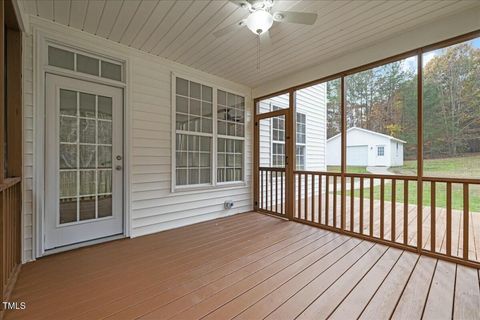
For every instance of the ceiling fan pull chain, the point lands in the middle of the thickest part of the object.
(258, 52)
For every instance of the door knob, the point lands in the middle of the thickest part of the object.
(118, 168)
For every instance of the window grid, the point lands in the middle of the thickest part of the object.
(83, 63)
(380, 151)
(196, 140)
(194, 133)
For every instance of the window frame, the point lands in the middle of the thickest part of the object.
(214, 184)
(381, 147)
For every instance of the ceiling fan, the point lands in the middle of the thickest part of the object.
(262, 16)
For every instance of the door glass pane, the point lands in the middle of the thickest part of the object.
(87, 131)
(68, 156)
(104, 181)
(87, 105)
(68, 210)
(85, 156)
(87, 208)
(68, 129)
(104, 108)
(104, 156)
(104, 132)
(68, 102)
(87, 182)
(68, 183)
(104, 206)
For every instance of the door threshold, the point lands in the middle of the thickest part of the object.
(83, 244)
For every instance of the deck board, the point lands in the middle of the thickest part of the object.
(249, 266)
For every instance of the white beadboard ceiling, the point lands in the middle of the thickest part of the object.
(182, 30)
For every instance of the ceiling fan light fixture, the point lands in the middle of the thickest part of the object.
(259, 21)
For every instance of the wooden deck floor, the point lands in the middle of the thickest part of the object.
(248, 266)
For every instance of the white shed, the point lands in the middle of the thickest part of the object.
(366, 148)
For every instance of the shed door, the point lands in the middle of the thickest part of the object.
(357, 155)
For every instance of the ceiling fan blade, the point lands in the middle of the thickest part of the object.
(228, 29)
(265, 39)
(295, 17)
(242, 4)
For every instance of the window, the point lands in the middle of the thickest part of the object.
(231, 133)
(278, 140)
(68, 59)
(380, 151)
(193, 133)
(195, 138)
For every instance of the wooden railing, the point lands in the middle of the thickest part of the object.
(272, 191)
(431, 216)
(10, 213)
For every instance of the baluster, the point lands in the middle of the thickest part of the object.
(260, 182)
(465, 220)
(361, 206)
(306, 197)
(449, 219)
(320, 198)
(313, 198)
(405, 212)
(352, 203)
(382, 208)
(281, 192)
(271, 190)
(335, 201)
(299, 202)
(433, 216)
(371, 206)
(394, 209)
(327, 190)
(276, 191)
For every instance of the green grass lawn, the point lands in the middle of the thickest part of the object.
(467, 166)
(457, 194)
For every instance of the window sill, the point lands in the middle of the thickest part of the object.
(203, 188)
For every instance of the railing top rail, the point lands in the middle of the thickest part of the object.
(452, 180)
(391, 177)
(322, 173)
(9, 182)
(271, 169)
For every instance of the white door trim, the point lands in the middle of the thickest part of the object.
(42, 35)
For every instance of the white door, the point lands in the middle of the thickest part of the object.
(83, 161)
(357, 155)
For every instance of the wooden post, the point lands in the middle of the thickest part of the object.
(2, 154)
(419, 152)
(257, 179)
(290, 142)
(14, 103)
(2, 92)
(344, 155)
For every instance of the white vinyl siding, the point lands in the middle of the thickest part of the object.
(153, 207)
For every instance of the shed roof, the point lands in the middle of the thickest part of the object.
(368, 131)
